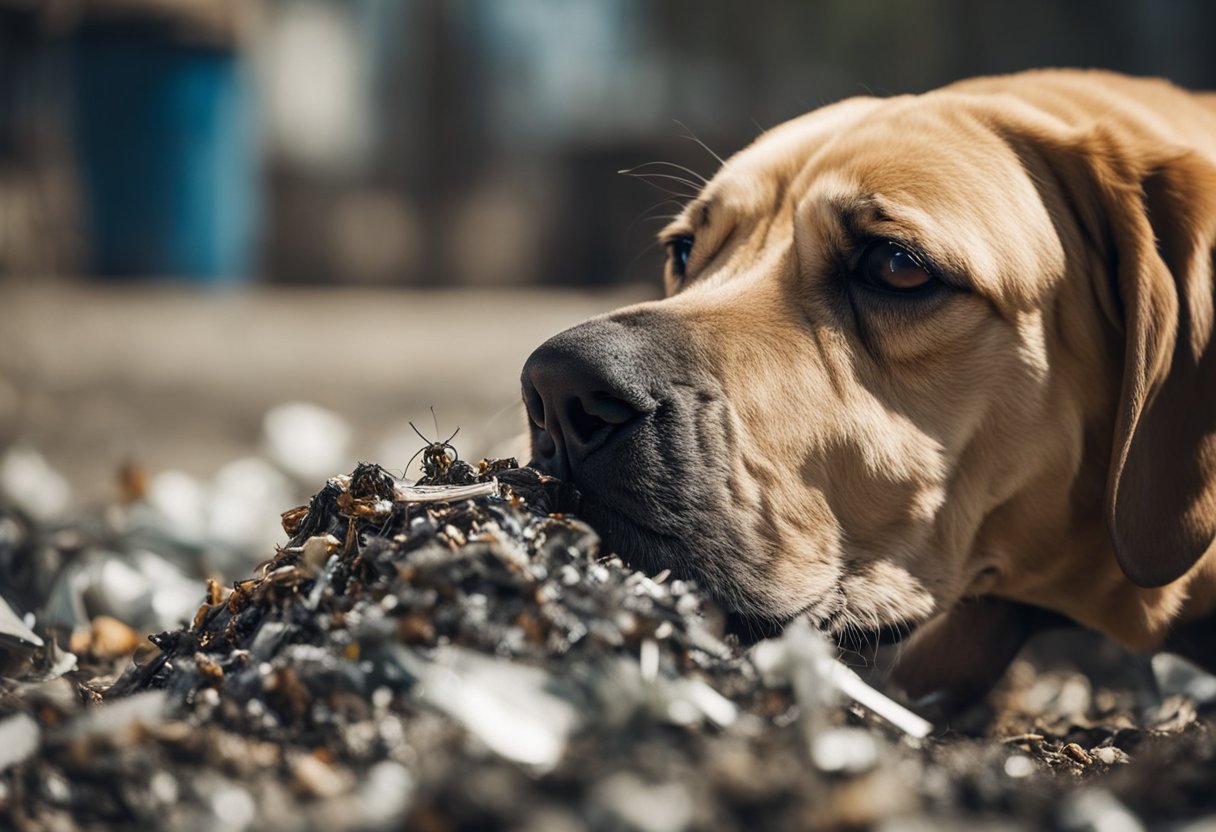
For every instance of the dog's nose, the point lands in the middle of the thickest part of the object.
(579, 398)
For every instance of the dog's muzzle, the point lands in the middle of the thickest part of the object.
(627, 411)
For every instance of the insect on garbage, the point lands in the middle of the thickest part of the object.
(441, 464)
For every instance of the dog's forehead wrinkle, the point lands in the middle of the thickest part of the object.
(777, 157)
(694, 216)
(954, 197)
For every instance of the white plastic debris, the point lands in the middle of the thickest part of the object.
(49, 663)
(445, 493)
(1177, 676)
(233, 808)
(1059, 694)
(1097, 810)
(1019, 766)
(648, 659)
(844, 750)
(509, 707)
(181, 500)
(385, 795)
(19, 739)
(307, 441)
(645, 686)
(808, 661)
(645, 806)
(164, 788)
(20, 646)
(708, 702)
(33, 486)
(803, 657)
(138, 587)
(852, 686)
(244, 503)
(1111, 756)
(14, 631)
(174, 597)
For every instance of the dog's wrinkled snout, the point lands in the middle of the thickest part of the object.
(579, 398)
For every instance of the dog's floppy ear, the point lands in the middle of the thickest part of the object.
(1155, 217)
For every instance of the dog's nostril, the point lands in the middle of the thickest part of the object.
(593, 417)
(543, 445)
(535, 405)
(582, 424)
(610, 409)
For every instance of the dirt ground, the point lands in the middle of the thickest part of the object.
(92, 375)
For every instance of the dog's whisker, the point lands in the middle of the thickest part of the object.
(513, 404)
(663, 218)
(682, 168)
(676, 203)
(657, 174)
(690, 135)
(674, 194)
(678, 167)
(683, 180)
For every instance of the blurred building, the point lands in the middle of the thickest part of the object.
(440, 142)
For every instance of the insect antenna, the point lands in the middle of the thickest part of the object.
(420, 436)
(415, 456)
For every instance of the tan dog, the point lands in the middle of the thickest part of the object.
(920, 351)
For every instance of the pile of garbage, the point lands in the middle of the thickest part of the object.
(459, 653)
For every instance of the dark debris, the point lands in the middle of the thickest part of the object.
(481, 664)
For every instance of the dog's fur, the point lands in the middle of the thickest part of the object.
(1041, 431)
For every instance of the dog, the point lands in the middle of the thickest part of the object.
(937, 366)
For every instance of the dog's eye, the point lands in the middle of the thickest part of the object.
(678, 251)
(891, 267)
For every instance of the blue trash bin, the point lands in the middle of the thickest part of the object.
(168, 153)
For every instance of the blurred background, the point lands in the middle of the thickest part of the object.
(213, 208)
